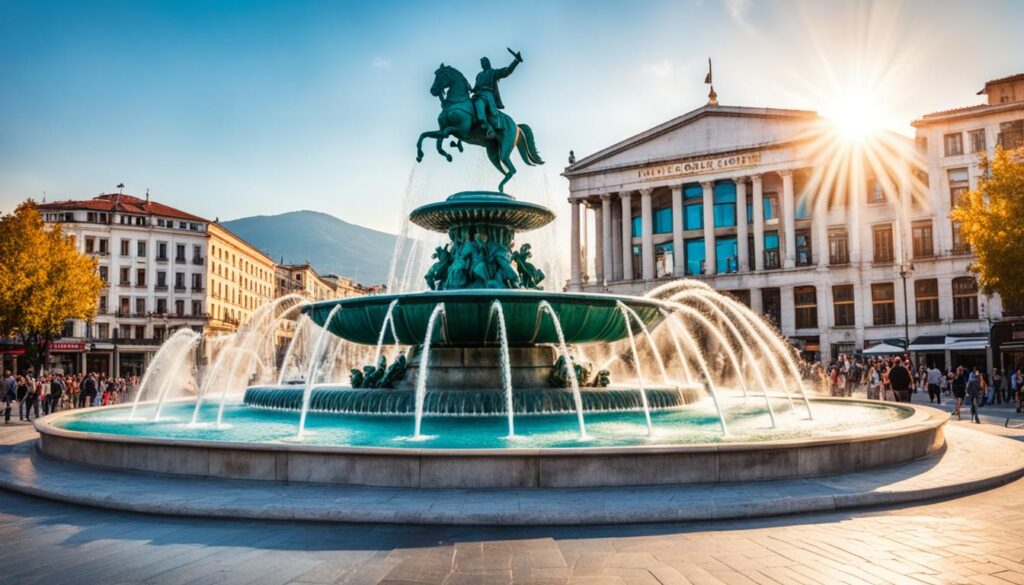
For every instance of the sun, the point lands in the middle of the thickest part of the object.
(854, 115)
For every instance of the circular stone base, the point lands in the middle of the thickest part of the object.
(911, 438)
(971, 461)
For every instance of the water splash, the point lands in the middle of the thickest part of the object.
(636, 363)
(545, 307)
(170, 359)
(506, 369)
(673, 323)
(421, 378)
(311, 370)
(389, 319)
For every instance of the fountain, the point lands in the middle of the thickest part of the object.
(488, 385)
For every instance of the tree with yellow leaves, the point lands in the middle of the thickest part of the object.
(992, 222)
(44, 281)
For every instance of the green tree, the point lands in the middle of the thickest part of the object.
(992, 222)
(44, 281)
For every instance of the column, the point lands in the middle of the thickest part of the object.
(709, 227)
(616, 247)
(647, 233)
(758, 209)
(742, 233)
(598, 245)
(820, 221)
(789, 216)
(627, 235)
(607, 272)
(584, 243)
(678, 257)
(574, 244)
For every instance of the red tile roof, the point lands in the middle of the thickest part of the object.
(1013, 77)
(114, 202)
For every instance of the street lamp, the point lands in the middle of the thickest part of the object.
(906, 268)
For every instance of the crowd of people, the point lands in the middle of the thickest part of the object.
(896, 379)
(48, 393)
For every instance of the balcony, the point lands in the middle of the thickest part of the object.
(161, 258)
(160, 288)
(838, 259)
(772, 260)
(198, 261)
(197, 289)
(179, 260)
(140, 285)
(961, 250)
(179, 288)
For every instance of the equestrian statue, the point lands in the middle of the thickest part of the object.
(478, 118)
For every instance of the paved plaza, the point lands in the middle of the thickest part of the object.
(973, 539)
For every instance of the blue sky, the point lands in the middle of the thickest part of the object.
(228, 109)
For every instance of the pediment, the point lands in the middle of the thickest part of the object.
(708, 130)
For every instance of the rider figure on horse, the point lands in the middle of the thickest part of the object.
(487, 98)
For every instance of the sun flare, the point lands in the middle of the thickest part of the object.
(855, 116)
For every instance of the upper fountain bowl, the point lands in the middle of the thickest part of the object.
(468, 319)
(481, 207)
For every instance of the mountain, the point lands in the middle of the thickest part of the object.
(330, 244)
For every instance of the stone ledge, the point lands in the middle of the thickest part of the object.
(972, 461)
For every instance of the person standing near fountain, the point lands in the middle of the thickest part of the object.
(8, 392)
(901, 380)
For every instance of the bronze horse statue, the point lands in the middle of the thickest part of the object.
(458, 119)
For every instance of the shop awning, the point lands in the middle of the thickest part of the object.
(883, 349)
(928, 343)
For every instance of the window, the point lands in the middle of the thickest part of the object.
(125, 245)
(140, 332)
(805, 302)
(959, 183)
(161, 280)
(771, 251)
(803, 248)
(954, 144)
(838, 247)
(843, 305)
(104, 246)
(693, 217)
(742, 296)
(977, 140)
(695, 256)
(727, 258)
(965, 298)
(664, 261)
(636, 227)
(921, 231)
(103, 304)
(140, 277)
(105, 275)
(159, 332)
(126, 277)
(926, 299)
(125, 305)
(663, 220)
(90, 245)
(960, 245)
(882, 238)
(637, 269)
(179, 281)
(140, 248)
(161, 306)
(179, 308)
(103, 330)
(725, 204)
(876, 191)
(1011, 134)
(771, 304)
(197, 254)
(140, 306)
(179, 253)
(197, 308)
(161, 250)
(883, 303)
(803, 208)
(771, 206)
(197, 282)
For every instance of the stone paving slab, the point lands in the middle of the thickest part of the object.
(972, 461)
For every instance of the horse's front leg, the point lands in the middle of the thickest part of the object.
(444, 133)
(419, 143)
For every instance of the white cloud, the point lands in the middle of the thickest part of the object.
(380, 62)
(660, 69)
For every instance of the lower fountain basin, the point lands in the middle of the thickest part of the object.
(473, 452)
(468, 320)
(481, 403)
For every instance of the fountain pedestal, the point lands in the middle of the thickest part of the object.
(479, 368)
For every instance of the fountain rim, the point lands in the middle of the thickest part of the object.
(521, 216)
(921, 418)
(487, 295)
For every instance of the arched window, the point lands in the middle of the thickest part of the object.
(725, 204)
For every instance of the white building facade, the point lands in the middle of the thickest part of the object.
(733, 196)
(153, 260)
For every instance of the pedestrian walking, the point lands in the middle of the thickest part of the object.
(8, 393)
(933, 378)
(959, 384)
(975, 392)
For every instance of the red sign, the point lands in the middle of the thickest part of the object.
(14, 351)
(67, 346)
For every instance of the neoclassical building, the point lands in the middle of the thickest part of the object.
(733, 196)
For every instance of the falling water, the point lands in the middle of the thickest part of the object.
(307, 389)
(289, 354)
(702, 363)
(421, 379)
(569, 363)
(636, 364)
(389, 319)
(207, 382)
(237, 356)
(506, 369)
(169, 381)
(168, 359)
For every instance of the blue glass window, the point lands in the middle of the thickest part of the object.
(771, 241)
(726, 255)
(693, 191)
(803, 208)
(750, 211)
(694, 255)
(637, 227)
(769, 207)
(663, 220)
(693, 216)
(662, 253)
(725, 204)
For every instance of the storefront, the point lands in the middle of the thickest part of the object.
(949, 351)
(131, 363)
(66, 357)
(1008, 344)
